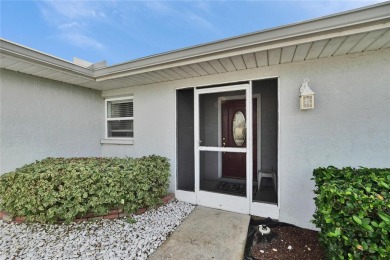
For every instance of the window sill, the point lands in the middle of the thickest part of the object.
(117, 141)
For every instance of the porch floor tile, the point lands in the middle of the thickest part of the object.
(207, 234)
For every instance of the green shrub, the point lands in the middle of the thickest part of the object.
(58, 188)
(353, 212)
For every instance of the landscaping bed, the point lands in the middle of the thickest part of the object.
(135, 237)
(288, 242)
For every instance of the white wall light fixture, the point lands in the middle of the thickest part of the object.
(307, 96)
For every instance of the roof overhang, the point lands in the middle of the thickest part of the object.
(359, 30)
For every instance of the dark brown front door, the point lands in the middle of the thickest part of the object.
(234, 135)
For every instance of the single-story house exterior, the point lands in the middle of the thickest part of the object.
(191, 106)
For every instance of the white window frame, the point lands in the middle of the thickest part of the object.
(107, 119)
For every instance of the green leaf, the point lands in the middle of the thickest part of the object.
(366, 221)
(384, 216)
(374, 223)
(368, 227)
(365, 246)
(357, 219)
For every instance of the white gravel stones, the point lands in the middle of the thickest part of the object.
(103, 239)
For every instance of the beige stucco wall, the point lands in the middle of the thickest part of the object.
(42, 118)
(350, 125)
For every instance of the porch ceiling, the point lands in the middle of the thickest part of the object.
(357, 31)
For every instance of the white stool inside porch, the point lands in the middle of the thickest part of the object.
(266, 173)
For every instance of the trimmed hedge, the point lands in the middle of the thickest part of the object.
(62, 189)
(353, 212)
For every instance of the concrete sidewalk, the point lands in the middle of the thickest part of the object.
(207, 234)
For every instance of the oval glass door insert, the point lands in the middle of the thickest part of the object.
(239, 128)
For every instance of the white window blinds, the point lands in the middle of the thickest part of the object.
(120, 108)
(120, 118)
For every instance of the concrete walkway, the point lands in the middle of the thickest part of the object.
(207, 234)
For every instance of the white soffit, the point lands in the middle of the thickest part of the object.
(342, 45)
(25, 60)
(360, 30)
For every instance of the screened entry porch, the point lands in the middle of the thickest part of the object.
(231, 159)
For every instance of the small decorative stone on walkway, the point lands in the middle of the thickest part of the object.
(100, 239)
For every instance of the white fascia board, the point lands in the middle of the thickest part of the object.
(22, 53)
(363, 19)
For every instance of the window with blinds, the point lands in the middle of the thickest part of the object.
(120, 118)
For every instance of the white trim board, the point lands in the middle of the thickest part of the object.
(220, 201)
(116, 140)
(187, 196)
(211, 199)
